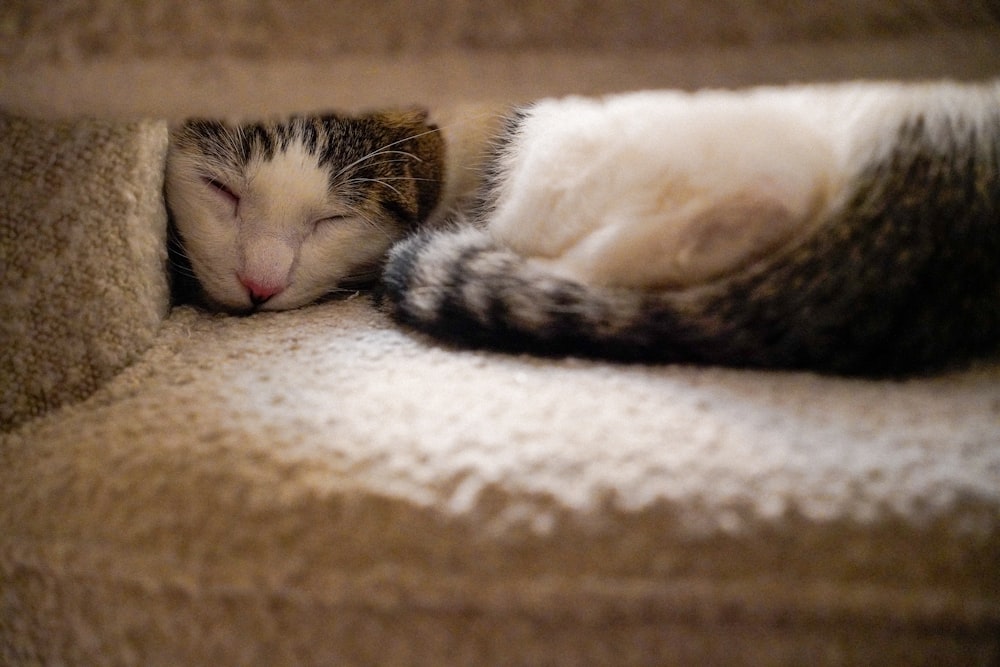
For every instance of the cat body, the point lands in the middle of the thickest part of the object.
(851, 228)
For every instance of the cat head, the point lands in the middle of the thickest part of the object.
(275, 215)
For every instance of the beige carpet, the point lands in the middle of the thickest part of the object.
(82, 256)
(319, 487)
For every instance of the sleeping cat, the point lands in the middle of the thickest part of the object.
(276, 215)
(851, 228)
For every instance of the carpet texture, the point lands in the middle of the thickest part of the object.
(322, 487)
(82, 256)
(340, 492)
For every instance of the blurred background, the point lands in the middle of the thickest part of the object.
(178, 57)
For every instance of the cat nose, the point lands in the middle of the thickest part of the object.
(260, 292)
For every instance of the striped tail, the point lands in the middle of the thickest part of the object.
(904, 278)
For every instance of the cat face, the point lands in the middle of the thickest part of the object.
(276, 215)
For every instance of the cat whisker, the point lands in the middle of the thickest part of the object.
(342, 174)
(377, 181)
(361, 215)
(376, 153)
(178, 251)
(182, 271)
(342, 179)
(182, 268)
(390, 178)
(385, 150)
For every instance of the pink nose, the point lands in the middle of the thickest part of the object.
(259, 291)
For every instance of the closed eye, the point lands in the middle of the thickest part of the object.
(329, 220)
(223, 190)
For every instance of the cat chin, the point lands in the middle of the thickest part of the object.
(242, 305)
(237, 301)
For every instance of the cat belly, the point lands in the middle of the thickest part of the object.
(655, 190)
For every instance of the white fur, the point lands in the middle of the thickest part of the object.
(660, 189)
(275, 237)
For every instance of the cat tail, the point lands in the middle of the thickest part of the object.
(902, 277)
(460, 286)
(847, 301)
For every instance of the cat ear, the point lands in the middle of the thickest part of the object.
(409, 131)
(414, 116)
(405, 118)
(424, 140)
